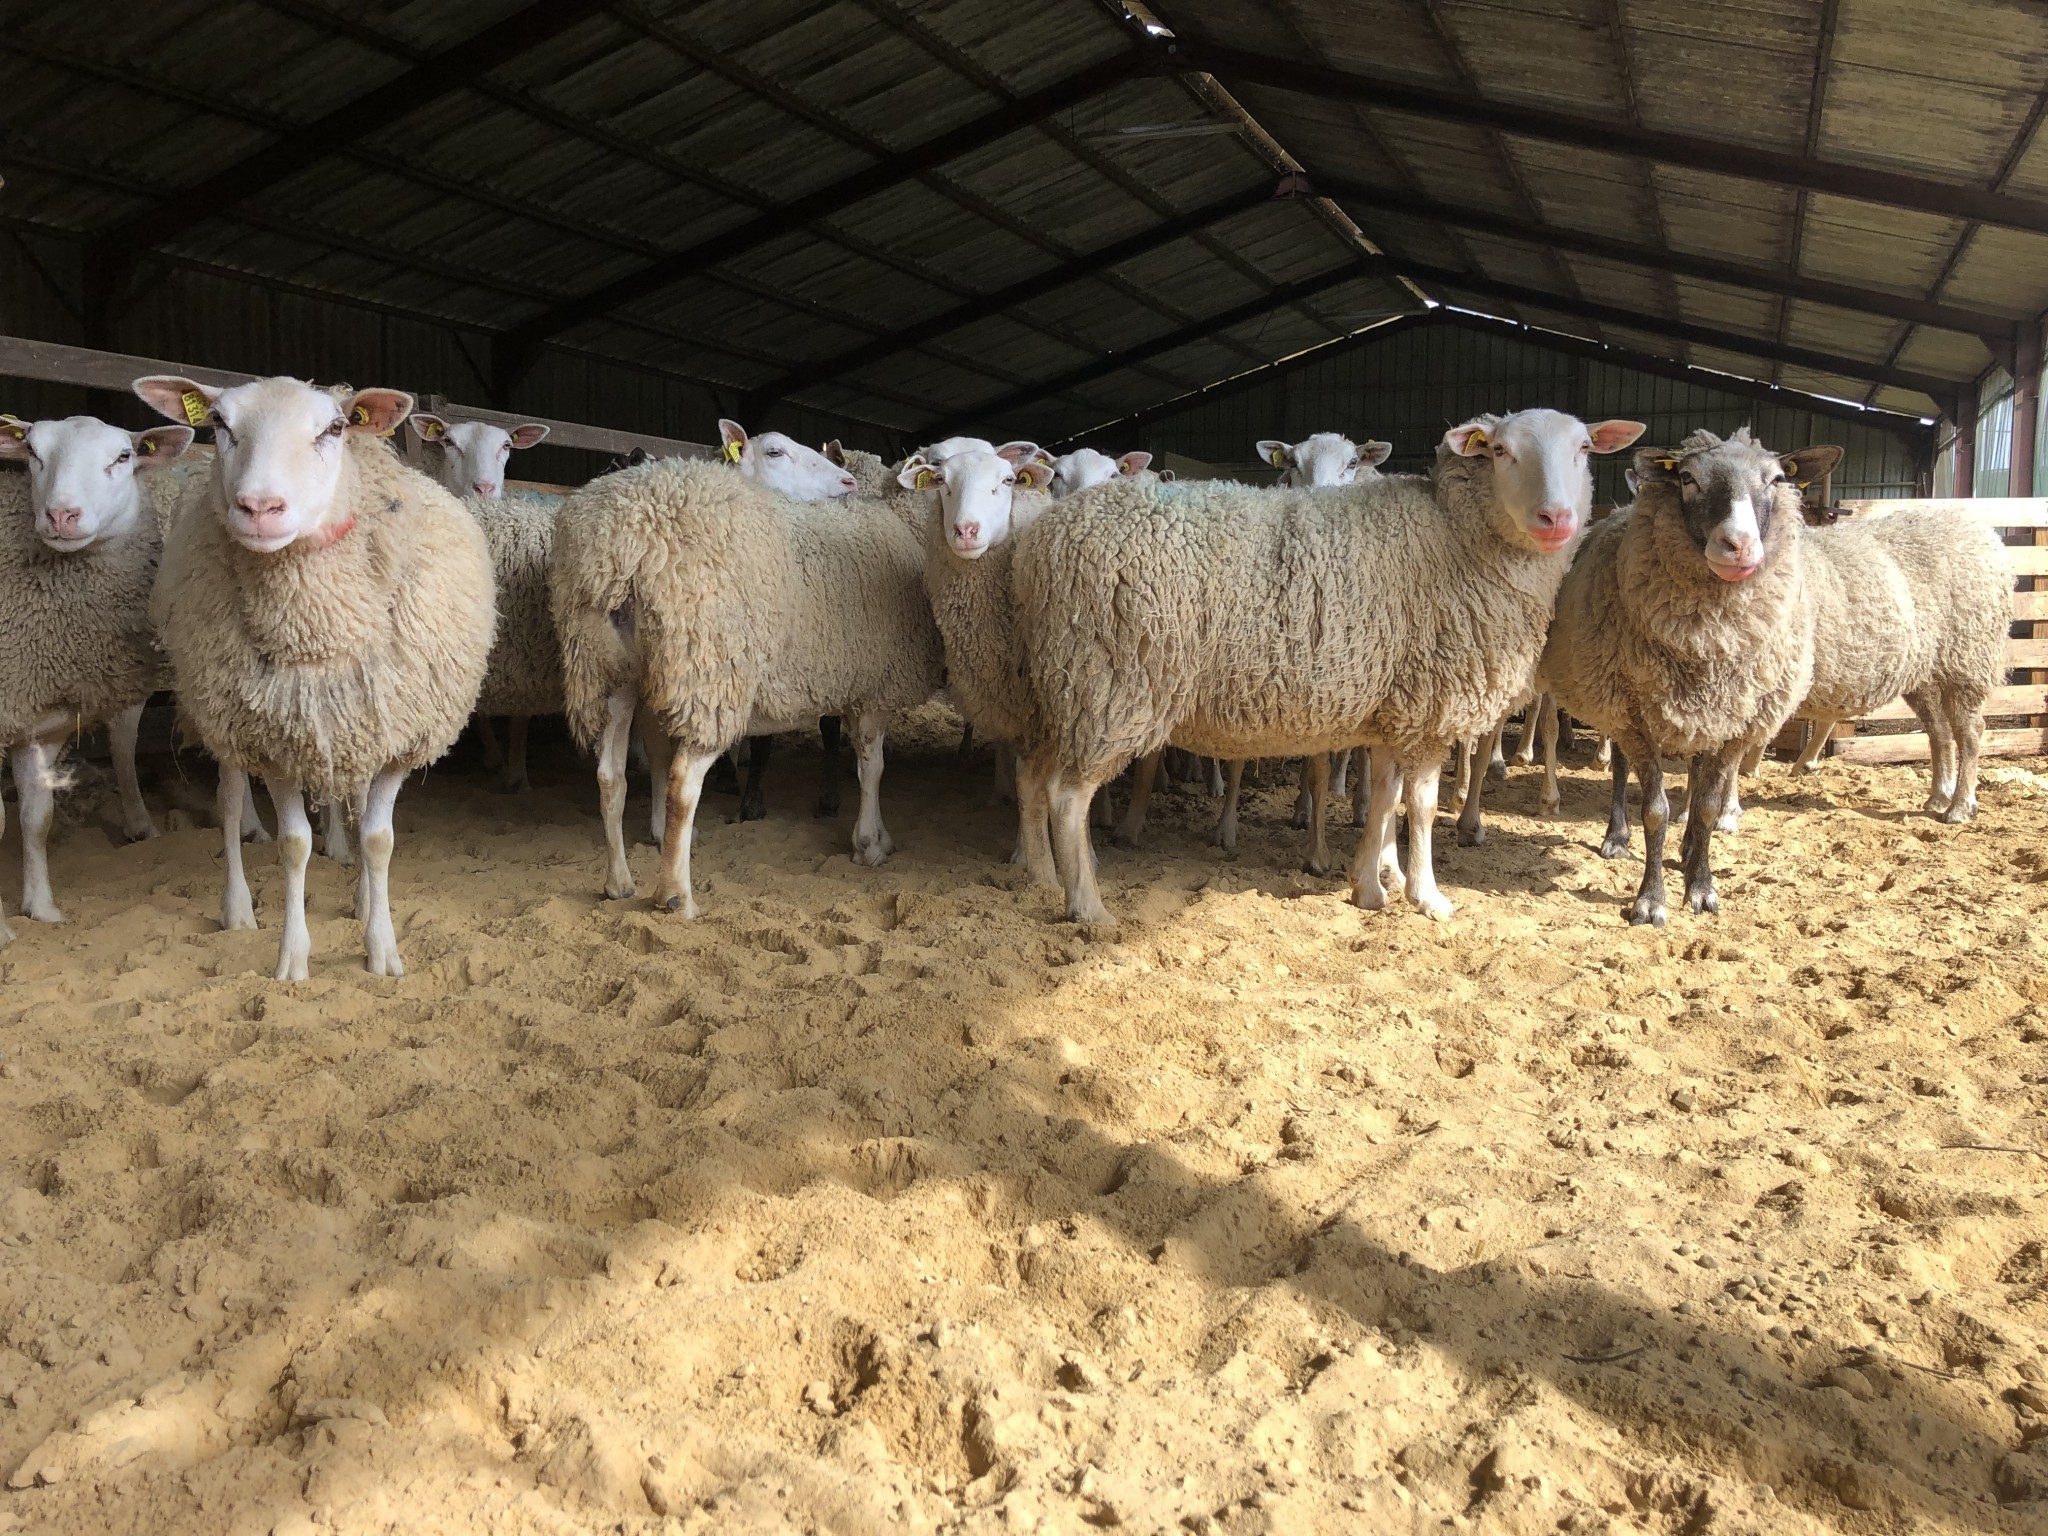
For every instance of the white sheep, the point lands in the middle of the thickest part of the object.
(784, 465)
(474, 454)
(1242, 623)
(328, 613)
(1324, 458)
(731, 611)
(1075, 472)
(80, 537)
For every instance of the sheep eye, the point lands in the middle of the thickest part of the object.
(124, 457)
(335, 428)
(775, 453)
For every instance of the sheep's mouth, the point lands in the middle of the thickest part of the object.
(1551, 540)
(263, 543)
(1731, 573)
(969, 549)
(70, 546)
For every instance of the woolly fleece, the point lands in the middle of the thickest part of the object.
(1243, 622)
(524, 676)
(1917, 600)
(331, 665)
(1653, 649)
(748, 611)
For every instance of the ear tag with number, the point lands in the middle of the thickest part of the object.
(197, 408)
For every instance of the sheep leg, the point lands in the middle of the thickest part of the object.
(871, 844)
(1304, 798)
(1034, 831)
(1649, 903)
(1361, 784)
(339, 848)
(966, 738)
(252, 824)
(1421, 867)
(683, 789)
(1940, 749)
(656, 748)
(1713, 780)
(514, 779)
(6, 931)
(1144, 774)
(1369, 862)
(35, 784)
(1616, 842)
(1340, 772)
(1461, 771)
(1525, 739)
(1603, 754)
(487, 738)
(1549, 728)
(828, 770)
(754, 798)
(1496, 762)
(1966, 734)
(122, 729)
(1316, 766)
(1216, 785)
(1226, 828)
(1817, 734)
(611, 790)
(1471, 830)
(1071, 853)
(373, 874)
(236, 909)
(295, 850)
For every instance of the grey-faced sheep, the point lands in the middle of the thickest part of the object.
(1685, 629)
(80, 537)
(730, 610)
(328, 613)
(1252, 623)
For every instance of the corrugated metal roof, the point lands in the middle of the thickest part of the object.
(626, 136)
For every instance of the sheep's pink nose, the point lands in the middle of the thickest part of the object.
(1554, 525)
(64, 521)
(966, 533)
(848, 483)
(261, 506)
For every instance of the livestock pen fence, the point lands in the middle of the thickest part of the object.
(2017, 711)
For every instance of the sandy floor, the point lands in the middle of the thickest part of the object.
(883, 1201)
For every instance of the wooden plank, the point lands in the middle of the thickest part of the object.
(2018, 699)
(54, 363)
(2026, 653)
(2028, 559)
(1911, 746)
(1999, 511)
(2030, 606)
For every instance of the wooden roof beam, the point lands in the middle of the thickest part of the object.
(521, 345)
(1718, 156)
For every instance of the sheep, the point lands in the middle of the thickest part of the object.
(1917, 604)
(80, 537)
(328, 613)
(1685, 628)
(1075, 472)
(1247, 623)
(783, 464)
(967, 569)
(474, 453)
(1324, 458)
(730, 611)
(524, 675)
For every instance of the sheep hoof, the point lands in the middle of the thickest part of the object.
(141, 834)
(1959, 811)
(1614, 848)
(387, 964)
(45, 913)
(753, 811)
(506, 784)
(291, 966)
(1548, 805)
(1646, 910)
(343, 855)
(1472, 836)
(1730, 821)
(258, 835)
(1435, 905)
(6, 935)
(1703, 900)
(873, 852)
(1497, 770)
(1095, 915)
(670, 903)
(618, 890)
(1123, 839)
(1316, 867)
(1370, 897)
(1299, 820)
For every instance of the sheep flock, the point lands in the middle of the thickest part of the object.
(332, 619)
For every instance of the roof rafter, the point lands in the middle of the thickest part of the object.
(1718, 156)
(519, 345)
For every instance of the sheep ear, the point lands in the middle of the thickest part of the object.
(734, 437)
(1275, 452)
(1374, 453)
(1034, 475)
(430, 427)
(528, 435)
(1811, 464)
(13, 438)
(834, 452)
(1613, 436)
(1019, 451)
(917, 475)
(377, 411)
(1167, 477)
(159, 445)
(1468, 441)
(1656, 464)
(1132, 463)
(180, 400)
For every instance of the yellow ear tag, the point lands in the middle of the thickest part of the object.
(360, 416)
(18, 433)
(146, 446)
(1669, 466)
(432, 431)
(197, 408)
(1278, 458)
(926, 479)
(733, 452)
